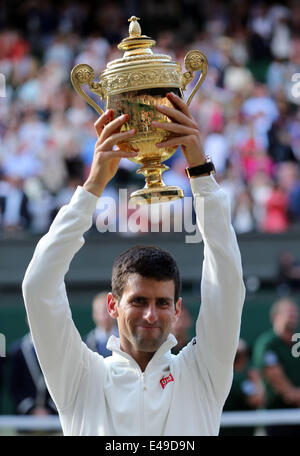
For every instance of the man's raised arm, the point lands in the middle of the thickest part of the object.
(222, 287)
(61, 353)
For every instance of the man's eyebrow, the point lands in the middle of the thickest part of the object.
(159, 298)
(137, 296)
(164, 298)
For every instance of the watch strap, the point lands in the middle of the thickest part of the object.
(195, 171)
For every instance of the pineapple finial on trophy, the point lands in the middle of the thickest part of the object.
(136, 43)
(134, 27)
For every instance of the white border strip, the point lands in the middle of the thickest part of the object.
(260, 418)
(240, 419)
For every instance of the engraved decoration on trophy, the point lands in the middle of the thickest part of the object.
(134, 85)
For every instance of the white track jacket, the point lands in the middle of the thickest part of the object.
(177, 395)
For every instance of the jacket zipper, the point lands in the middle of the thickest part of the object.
(142, 403)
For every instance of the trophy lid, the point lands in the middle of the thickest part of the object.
(139, 68)
(136, 41)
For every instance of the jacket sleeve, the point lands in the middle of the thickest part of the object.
(58, 344)
(222, 288)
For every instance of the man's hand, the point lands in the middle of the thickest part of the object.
(184, 127)
(106, 160)
(40, 411)
(293, 398)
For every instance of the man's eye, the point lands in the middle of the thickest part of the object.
(163, 303)
(137, 302)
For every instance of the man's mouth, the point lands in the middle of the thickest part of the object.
(149, 327)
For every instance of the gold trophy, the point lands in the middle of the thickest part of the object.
(133, 85)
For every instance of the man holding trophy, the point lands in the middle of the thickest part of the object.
(142, 389)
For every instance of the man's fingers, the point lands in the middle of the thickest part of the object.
(178, 141)
(103, 120)
(178, 103)
(118, 153)
(115, 139)
(179, 129)
(114, 126)
(178, 116)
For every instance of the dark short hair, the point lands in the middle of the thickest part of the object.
(150, 262)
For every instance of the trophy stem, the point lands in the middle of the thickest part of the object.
(155, 191)
(153, 173)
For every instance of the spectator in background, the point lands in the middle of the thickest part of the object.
(97, 339)
(40, 205)
(262, 110)
(288, 272)
(14, 213)
(216, 144)
(273, 356)
(260, 28)
(279, 140)
(281, 34)
(75, 172)
(280, 73)
(238, 78)
(232, 183)
(79, 113)
(243, 215)
(247, 391)
(288, 180)
(27, 385)
(276, 214)
(260, 186)
(294, 203)
(287, 174)
(254, 159)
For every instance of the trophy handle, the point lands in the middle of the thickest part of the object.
(84, 74)
(194, 61)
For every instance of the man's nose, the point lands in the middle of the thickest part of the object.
(150, 314)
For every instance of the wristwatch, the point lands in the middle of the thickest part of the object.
(196, 171)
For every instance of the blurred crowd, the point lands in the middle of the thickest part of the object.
(248, 108)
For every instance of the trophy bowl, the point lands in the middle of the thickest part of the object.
(134, 85)
(140, 106)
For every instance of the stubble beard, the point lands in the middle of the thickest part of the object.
(148, 344)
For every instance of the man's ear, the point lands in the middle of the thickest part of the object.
(178, 309)
(112, 305)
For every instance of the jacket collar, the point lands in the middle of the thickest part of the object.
(113, 344)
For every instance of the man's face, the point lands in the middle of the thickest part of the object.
(287, 317)
(145, 313)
